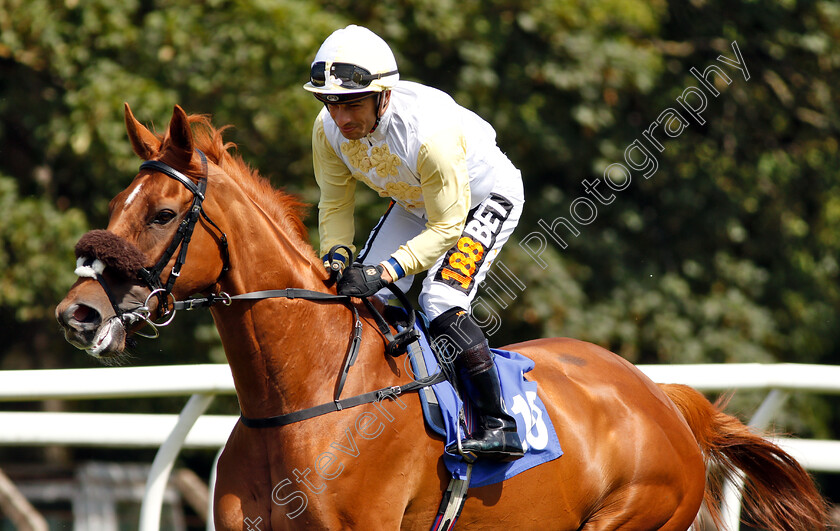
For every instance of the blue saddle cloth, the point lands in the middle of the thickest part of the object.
(521, 399)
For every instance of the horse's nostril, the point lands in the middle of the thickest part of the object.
(82, 313)
(79, 315)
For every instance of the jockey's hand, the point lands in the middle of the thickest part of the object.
(363, 280)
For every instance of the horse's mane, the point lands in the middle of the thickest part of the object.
(284, 207)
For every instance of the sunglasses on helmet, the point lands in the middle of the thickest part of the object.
(349, 75)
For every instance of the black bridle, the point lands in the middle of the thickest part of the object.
(152, 276)
(100, 244)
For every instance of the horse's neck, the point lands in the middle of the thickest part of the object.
(284, 354)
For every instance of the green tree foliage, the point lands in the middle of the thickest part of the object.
(726, 253)
(36, 252)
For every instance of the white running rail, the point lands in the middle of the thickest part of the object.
(202, 382)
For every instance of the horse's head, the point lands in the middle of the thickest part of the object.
(127, 273)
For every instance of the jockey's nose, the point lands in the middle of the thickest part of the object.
(341, 115)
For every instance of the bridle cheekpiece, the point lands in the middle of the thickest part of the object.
(152, 276)
(99, 249)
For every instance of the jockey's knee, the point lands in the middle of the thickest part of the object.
(454, 331)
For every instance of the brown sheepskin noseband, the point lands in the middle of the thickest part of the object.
(123, 257)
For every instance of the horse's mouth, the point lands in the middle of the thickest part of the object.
(108, 341)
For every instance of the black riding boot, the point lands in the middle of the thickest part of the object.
(495, 436)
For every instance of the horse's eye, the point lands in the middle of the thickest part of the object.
(163, 217)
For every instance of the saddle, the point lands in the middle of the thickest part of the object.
(447, 415)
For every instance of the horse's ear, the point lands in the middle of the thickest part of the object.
(144, 142)
(180, 134)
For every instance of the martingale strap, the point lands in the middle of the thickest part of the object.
(395, 344)
(292, 293)
(338, 405)
(288, 293)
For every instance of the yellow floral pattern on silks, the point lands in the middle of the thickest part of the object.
(407, 194)
(386, 164)
(380, 158)
(357, 153)
(384, 161)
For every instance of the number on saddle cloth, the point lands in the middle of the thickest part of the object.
(444, 410)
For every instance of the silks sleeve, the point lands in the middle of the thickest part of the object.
(337, 202)
(442, 166)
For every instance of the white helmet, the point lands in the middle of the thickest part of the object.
(351, 64)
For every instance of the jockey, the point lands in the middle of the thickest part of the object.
(455, 200)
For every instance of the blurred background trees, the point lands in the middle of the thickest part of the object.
(728, 253)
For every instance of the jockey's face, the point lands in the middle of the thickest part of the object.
(356, 119)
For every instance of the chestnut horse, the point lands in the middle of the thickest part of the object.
(636, 453)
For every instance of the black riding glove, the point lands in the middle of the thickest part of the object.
(361, 280)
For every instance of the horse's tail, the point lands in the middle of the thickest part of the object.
(778, 493)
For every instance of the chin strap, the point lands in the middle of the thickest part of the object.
(379, 110)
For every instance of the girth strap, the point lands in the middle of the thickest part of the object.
(452, 502)
(338, 405)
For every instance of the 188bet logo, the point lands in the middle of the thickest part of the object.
(466, 256)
